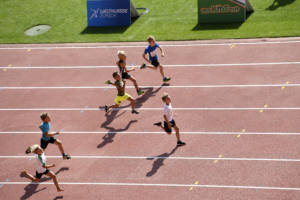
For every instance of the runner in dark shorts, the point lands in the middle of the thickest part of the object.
(125, 72)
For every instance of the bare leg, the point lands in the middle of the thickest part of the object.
(163, 128)
(177, 133)
(29, 176)
(161, 69)
(132, 103)
(113, 106)
(53, 176)
(60, 146)
(135, 83)
(151, 67)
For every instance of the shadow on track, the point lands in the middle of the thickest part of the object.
(149, 92)
(32, 188)
(109, 136)
(159, 162)
(58, 197)
(112, 115)
(279, 3)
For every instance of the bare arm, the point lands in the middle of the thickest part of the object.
(162, 52)
(124, 84)
(144, 56)
(48, 166)
(128, 70)
(47, 134)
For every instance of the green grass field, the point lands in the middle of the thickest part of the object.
(167, 20)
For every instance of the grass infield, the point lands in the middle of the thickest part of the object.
(167, 20)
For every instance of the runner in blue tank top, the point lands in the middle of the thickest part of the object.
(151, 51)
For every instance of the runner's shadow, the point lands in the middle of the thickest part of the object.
(279, 3)
(159, 162)
(32, 188)
(111, 116)
(109, 136)
(149, 92)
(58, 197)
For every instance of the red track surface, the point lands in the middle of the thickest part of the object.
(267, 173)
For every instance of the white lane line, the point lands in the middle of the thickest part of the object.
(159, 185)
(145, 44)
(155, 133)
(168, 66)
(162, 157)
(145, 87)
(147, 109)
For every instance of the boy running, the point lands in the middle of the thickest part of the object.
(122, 95)
(125, 72)
(151, 50)
(47, 137)
(168, 119)
(42, 167)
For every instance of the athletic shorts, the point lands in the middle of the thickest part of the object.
(39, 175)
(155, 63)
(126, 75)
(166, 127)
(120, 99)
(44, 143)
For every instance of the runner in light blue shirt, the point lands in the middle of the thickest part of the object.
(47, 136)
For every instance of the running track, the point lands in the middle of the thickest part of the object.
(237, 105)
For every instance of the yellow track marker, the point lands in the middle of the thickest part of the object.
(232, 46)
(4, 69)
(283, 87)
(196, 183)
(266, 105)
(28, 50)
(239, 135)
(261, 111)
(216, 161)
(9, 65)
(287, 82)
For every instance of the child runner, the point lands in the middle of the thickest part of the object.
(47, 137)
(151, 50)
(124, 71)
(168, 119)
(122, 95)
(42, 167)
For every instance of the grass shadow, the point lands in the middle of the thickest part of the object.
(279, 3)
(107, 29)
(220, 26)
(217, 26)
(31, 189)
(159, 162)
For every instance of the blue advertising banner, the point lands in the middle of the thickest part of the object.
(108, 13)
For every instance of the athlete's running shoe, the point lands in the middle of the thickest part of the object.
(166, 79)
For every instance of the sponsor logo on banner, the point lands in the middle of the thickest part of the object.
(107, 13)
(220, 9)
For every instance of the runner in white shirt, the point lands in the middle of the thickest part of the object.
(168, 119)
(42, 167)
